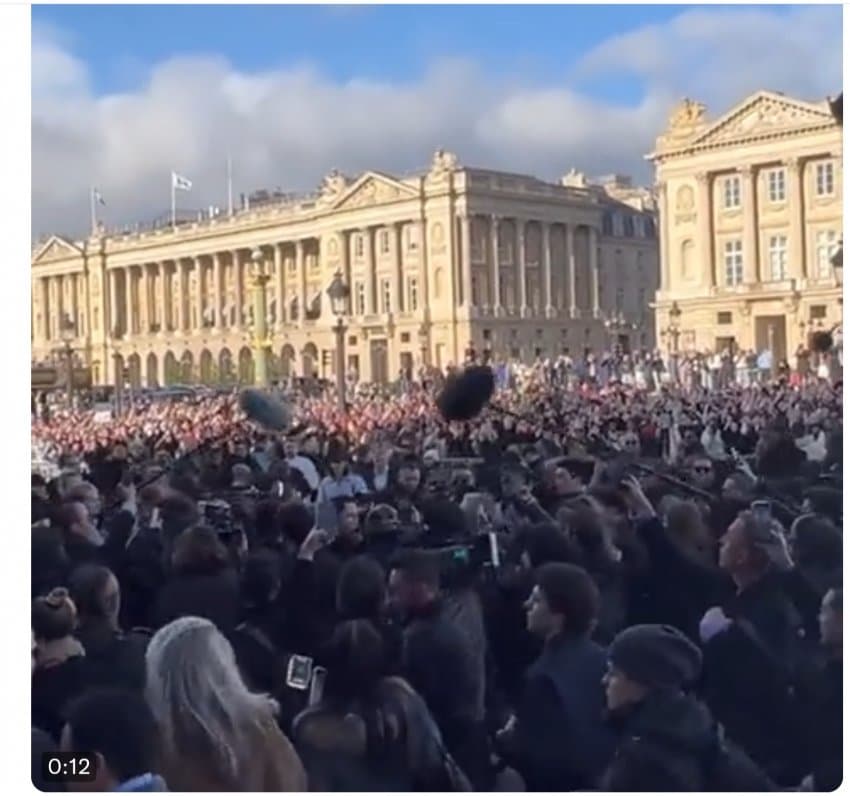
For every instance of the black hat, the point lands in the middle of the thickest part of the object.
(656, 655)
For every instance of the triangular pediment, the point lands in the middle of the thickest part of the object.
(373, 188)
(764, 113)
(55, 248)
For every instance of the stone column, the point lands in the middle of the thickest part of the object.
(797, 225)
(546, 243)
(280, 283)
(571, 270)
(705, 247)
(466, 260)
(217, 290)
(371, 288)
(398, 269)
(345, 252)
(163, 313)
(495, 281)
(748, 207)
(112, 276)
(593, 262)
(661, 231)
(301, 271)
(239, 285)
(183, 284)
(521, 265)
(46, 309)
(199, 294)
(127, 325)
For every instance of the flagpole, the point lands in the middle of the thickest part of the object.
(93, 213)
(173, 201)
(229, 185)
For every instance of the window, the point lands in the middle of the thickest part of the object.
(619, 300)
(405, 337)
(412, 293)
(733, 255)
(352, 339)
(486, 334)
(358, 246)
(776, 185)
(642, 297)
(618, 224)
(359, 298)
(817, 312)
(538, 333)
(778, 254)
(638, 220)
(724, 318)
(824, 181)
(629, 226)
(386, 296)
(731, 192)
(649, 227)
(826, 242)
(385, 241)
(607, 224)
(412, 234)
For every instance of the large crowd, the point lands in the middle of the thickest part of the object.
(612, 577)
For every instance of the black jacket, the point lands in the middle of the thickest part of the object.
(747, 678)
(560, 741)
(441, 664)
(213, 596)
(669, 742)
(113, 659)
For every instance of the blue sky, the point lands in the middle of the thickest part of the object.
(124, 94)
(347, 41)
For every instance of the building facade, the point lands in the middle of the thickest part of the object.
(750, 215)
(435, 262)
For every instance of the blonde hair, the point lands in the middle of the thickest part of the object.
(200, 701)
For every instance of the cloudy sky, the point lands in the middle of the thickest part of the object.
(122, 94)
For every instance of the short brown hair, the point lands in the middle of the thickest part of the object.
(198, 550)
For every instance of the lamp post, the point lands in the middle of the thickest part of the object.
(671, 333)
(68, 333)
(259, 280)
(338, 292)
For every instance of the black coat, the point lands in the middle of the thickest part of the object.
(53, 689)
(560, 742)
(747, 678)
(213, 596)
(442, 666)
(669, 742)
(114, 659)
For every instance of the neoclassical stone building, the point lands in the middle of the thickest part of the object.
(434, 262)
(750, 212)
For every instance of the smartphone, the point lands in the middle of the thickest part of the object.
(299, 672)
(761, 510)
(156, 519)
(317, 685)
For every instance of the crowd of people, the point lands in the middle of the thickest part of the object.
(599, 582)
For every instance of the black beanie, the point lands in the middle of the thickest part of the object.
(656, 655)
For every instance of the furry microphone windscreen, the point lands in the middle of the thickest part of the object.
(465, 395)
(821, 342)
(264, 410)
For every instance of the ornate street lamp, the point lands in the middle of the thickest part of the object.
(338, 292)
(262, 345)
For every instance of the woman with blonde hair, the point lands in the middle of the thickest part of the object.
(216, 734)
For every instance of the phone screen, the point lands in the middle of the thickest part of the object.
(317, 685)
(299, 671)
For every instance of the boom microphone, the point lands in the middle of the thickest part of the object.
(465, 395)
(264, 410)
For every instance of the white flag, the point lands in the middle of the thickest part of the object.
(180, 183)
(98, 197)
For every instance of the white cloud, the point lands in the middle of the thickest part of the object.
(287, 128)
